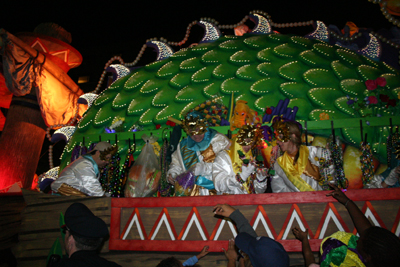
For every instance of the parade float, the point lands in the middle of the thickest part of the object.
(314, 79)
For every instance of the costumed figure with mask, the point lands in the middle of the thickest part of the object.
(249, 170)
(200, 164)
(81, 177)
(300, 168)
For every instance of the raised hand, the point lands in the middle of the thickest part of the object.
(223, 210)
(299, 234)
(338, 194)
(170, 179)
(231, 253)
(203, 252)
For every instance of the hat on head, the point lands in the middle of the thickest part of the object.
(263, 251)
(340, 249)
(80, 221)
(104, 148)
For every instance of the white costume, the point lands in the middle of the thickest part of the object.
(259, 182)
(390, 180)
(281, 183)
(81, 175)
(220, 171)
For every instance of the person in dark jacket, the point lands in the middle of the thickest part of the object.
(263, 251)
(84, 235)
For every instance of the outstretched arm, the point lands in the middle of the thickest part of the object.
(235, 215)
(360, 221)
(231, 253)
(203, 252)
(305, 246)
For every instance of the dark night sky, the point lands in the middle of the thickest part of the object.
(103, 29)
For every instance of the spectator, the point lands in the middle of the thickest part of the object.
(174, 262)
(232, 256)
(262, 251)
(84, 235)
(376, 246)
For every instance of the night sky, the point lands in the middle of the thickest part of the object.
(103, 29)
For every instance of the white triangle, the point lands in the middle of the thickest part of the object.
(134, 220)
(261, 218)
(37, 42)
(63, 54)
(397, 233)
(330, 215)
(165, 220)
(221, 226)
(289, 225)
(196, 220)
(369, 214)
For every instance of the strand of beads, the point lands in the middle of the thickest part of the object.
(103, 74)
(385, 40)
(186, 37)
(389, 149)
(125, 170)
(396, 143)
(103, 178)
(115, 179)
(387, 15)
(232, 26)
(239, 179)
(342, 38)
(165, 189)
(56, 126)
(292, 24)
(251, 189)
(366, 163)
(337, 158)
(139, 56)
(391, 19)
(51, 163)
(324, 163)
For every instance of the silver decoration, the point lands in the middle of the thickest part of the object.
(118, 71)
(262, 24)
(320, 33)
(88, 99)
(211, 33)
(50, 174)
(64, 133)
(163, 50)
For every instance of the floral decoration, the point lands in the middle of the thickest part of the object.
(378, 100)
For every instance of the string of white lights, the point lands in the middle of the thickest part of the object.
(383, 9)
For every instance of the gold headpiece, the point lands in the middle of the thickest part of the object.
(249, 135)
(280, 128)
(111, 150)
(194, 125)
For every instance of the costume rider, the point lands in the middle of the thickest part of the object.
(203, 154)
(81, 177)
